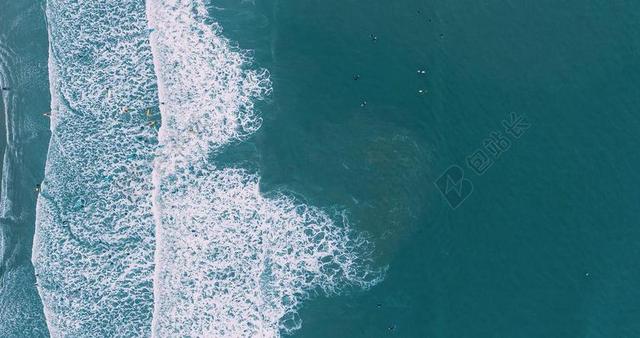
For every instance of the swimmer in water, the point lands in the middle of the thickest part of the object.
(5, 88)
(148, 112)
(37, 188)
(422, 72)
(47, 114)
(356, 77)
(374, 38)
(363, 104)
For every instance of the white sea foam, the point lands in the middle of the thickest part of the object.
(230, 262)
(94, 242)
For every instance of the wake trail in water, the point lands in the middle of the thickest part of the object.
(8, 104)
(94, 241)
(230, 261)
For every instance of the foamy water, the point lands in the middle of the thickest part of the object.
(94, 242)
(230, 261)
(138, 235)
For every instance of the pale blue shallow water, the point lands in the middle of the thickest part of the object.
(23, 142)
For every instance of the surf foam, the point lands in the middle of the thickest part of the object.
(94, 242)
(230, 261)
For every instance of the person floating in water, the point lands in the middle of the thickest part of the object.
(37, 188)
(5, 88)
(47, 114)
(422, 72)
(363, 104)
(356, 77)
(374, 38)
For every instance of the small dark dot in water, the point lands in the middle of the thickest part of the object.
(5, 88)
(378, 305)
(429, 20)
(419, 11)
(441, 35)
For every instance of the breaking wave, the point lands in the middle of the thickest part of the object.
(230, 262)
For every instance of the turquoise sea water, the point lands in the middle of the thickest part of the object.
(545, 245)
(23, 143)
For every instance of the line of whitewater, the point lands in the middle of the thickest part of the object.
(155, 173)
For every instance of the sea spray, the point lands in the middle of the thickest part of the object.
(230, 261)
(94, 242)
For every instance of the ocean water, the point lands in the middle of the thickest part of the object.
(271, 168)
(94, 244)
(140, 229)
(231, 259)
(23, 141)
